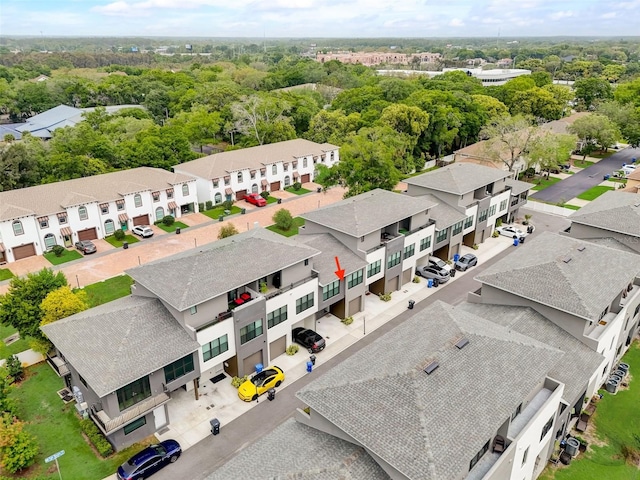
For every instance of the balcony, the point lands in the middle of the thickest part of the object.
(108, 425)
(530, 411)
(422, 227)
(286, 288)
(219, 318)
(59, 365)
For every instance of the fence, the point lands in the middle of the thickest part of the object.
(547, 208)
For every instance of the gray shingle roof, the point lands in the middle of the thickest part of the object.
(221, 164)
(583, 286)
(52, 198)
(195, 276)
(296, 451)
(576, 365)
(325, 262)
(368, 212)
(114, 344)
(458, 178)
(518, 187)
(430, 426)
(614, 211)
(444, 214)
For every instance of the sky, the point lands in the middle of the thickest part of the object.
(320, 18)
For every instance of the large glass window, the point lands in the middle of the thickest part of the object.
(331, 290)
(239, 177)
(178, 368)
(394, 259)
(185, 189)
(136, 424)
(483, 215)
(374, 268)
(17, 228)
(251, 331)
(215, 347)
(109, 227)
(479, 455)
(279, 315)
(410, 250)
(546, 428)
(468, 221)
(457, 228)
(304, 303)
(503, 205)
(159, 213)
(442, 235)
(49, 240)
(492, 210)
(133, 393)
(137, 200)
(355, 278)
(217, 198)
(82, 211)
(425, 243)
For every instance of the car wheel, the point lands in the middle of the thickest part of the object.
(173, 458)
(310, 350)
(255, 397)
(278, 383)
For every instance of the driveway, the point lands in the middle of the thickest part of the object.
(577, 183)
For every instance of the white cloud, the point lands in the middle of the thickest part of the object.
(456, 22)
(560, 15)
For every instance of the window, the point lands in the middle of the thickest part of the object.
(159, 213)
(374, 268)
(170, 193)
(274, 169)
(492, 210)
(217, 198)
(82, 380)
(410, 250)
(304, 303)
(524, 457)
(331, 290)
(62, 218)
(503, 205)
(137, 200)
(133, 393)
(304, 162)
(156, 196)
(179, 368)
(216, 182)
(635, 312)
(193, 310)
(306, 262)
(120, 205)
(468, 222)
(483, 215)
(109, 227)
(44, 222)
(478, 456)
(425, 243)
(457, 228)
(239, 177)
(136, 424)
(263, 172)
(215, 348)
(104, 208)
(279, 315)
(17, 228)
(287, 181)
(185, 189)
(546, 428)
(253, 174)
(49, 241)
(82, 211)
(355, 278)
(251, 331)
(286, 167)
(227, 180)
(393, 259)
(442, 235)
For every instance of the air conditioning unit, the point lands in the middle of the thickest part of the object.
(78, 394)
(83, 409)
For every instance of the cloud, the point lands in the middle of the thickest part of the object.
(456, 22)
(560, 15)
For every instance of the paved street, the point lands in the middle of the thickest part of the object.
(583, 180)
(203, 458)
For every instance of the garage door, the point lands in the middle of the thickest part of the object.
(354, 306)
(88, 234)
(306, 178)
(275, 186)
(392, 284)
(141, 220)
(407, 276)
(277, 347)
(240, 194)
(24, 251)
(249, 363)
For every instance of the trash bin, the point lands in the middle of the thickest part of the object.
(456, 257)
(606, 177)
(319, 189)
(515, 242)
(312, 359)
(215, 426)
(411, 304)
(429, 282)
(279, 200)
(436, 282)
(309, 367)
(522, 239)
(243, 211)
(221, 218)
(452, 272)
(177, 230)
(271, 394)
(125, 245)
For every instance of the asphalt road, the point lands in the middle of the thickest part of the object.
(202, 459)
(577, 183)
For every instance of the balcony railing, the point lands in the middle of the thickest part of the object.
(291, 286)
(219, 318)
(59, 365)
(109, 425)
(422, 227)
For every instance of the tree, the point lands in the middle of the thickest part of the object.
(591, 91)
(62, 303)
(595, 129)
(628, 92)
(538, 103)
(18, 449)
(262, 118)
(491, 107)
(227, 230)
(626, 117)
(283, 219)
(20, 306)
(14, 369)
(7, 402)
(409, 123)
(548, 150)
(199, 125)
(332, 126)
(507, 139)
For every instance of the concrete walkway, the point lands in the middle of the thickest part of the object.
(27, 358)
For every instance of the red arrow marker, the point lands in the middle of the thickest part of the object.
(339, 272)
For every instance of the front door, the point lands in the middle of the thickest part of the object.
(160, 416)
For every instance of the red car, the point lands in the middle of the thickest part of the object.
(255, 199)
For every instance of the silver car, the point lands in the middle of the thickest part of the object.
(143, 230)
(428, 271)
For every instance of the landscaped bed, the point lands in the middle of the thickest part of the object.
(108, 290)
(297, 222)
(542, 183)
(215, 212)
(118, 243)
(582, 163)
(300, 191)
(594, 192)
(5, 274)
(171, 228)
(67, 256)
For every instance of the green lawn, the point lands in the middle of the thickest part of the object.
(108, 290)
(300, 191)
(6, 274)
(118, 243)
(617, 423)
(67, 256)
(171, 228)
(602, 154)
(542, 183)
(297, 222)
(572, 207)
(272, 200)
(215, 212)
(582, 163)
(56, 427)
(594, 192)
(16, 347)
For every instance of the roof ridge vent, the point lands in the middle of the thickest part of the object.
(431, 367)
(463, 342)
(582, 248)
(566, 259)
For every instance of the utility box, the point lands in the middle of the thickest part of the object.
(215, 426)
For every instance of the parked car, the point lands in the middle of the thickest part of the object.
(255, 199)
(439, 264)
(270, 377)
(86, 246)
(149, 460)
(511, 231)
(427, 271)
(143, 230)
(309, 339)
(466, 261)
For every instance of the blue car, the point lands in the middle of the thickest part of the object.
(149, 460)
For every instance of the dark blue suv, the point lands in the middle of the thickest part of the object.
(149, 460)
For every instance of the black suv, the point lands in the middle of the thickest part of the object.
(309, 339)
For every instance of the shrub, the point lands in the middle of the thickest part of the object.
(96, 437)
(209, 204)
(283, 219)
(20, 452)
(237, 381)
(14, 368)
(347, 321)
(201, 207)
(499, 222)
(292, 349)
(265, 195)
(495, 234)
(263, 287)
(416, 279)
(385, 297)
(119, 234)
(58, 250)
(475, 246)
(168, 220)
(227, 204)
(227, 230)
(297, 186)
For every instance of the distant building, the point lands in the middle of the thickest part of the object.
(493, 77)
(378, 58)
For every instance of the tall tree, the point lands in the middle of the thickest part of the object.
(62, 303)
(199, 125)
(594, 130)
(592, 91)
(263, 118)
(549, 150)
(627, 119)
(507, 139)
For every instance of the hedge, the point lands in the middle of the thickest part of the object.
(96, 437)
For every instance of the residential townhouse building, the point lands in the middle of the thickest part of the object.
(390, 232)
(480, 195)
(232, 175)
(34, 219)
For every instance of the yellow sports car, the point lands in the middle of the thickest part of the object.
(268, 378)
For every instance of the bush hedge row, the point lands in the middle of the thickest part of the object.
(96, 437)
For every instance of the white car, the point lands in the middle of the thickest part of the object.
(511, 232)
(143, 230)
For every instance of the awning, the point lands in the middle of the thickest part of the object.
(123, 217)
(155, 194)
(173, 206)
(62, 215)
(43, 219)
(120, 202)
(296, 175)
(263, 170)
(227, 178)
(104, 205)
(66, 231)
(265, 183)
(252, 172)
(294, 163)
(1, 247)
(169, 191)
(228, 191)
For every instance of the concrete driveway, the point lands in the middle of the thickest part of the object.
(577, 183)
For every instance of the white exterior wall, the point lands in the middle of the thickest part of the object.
(30, 235)
(379, 254)
(471, 212)
(415, 238)
(608, 343)
(491, 220)
(93, 219)
(53, 228)
(181, 199)
(215, 365)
